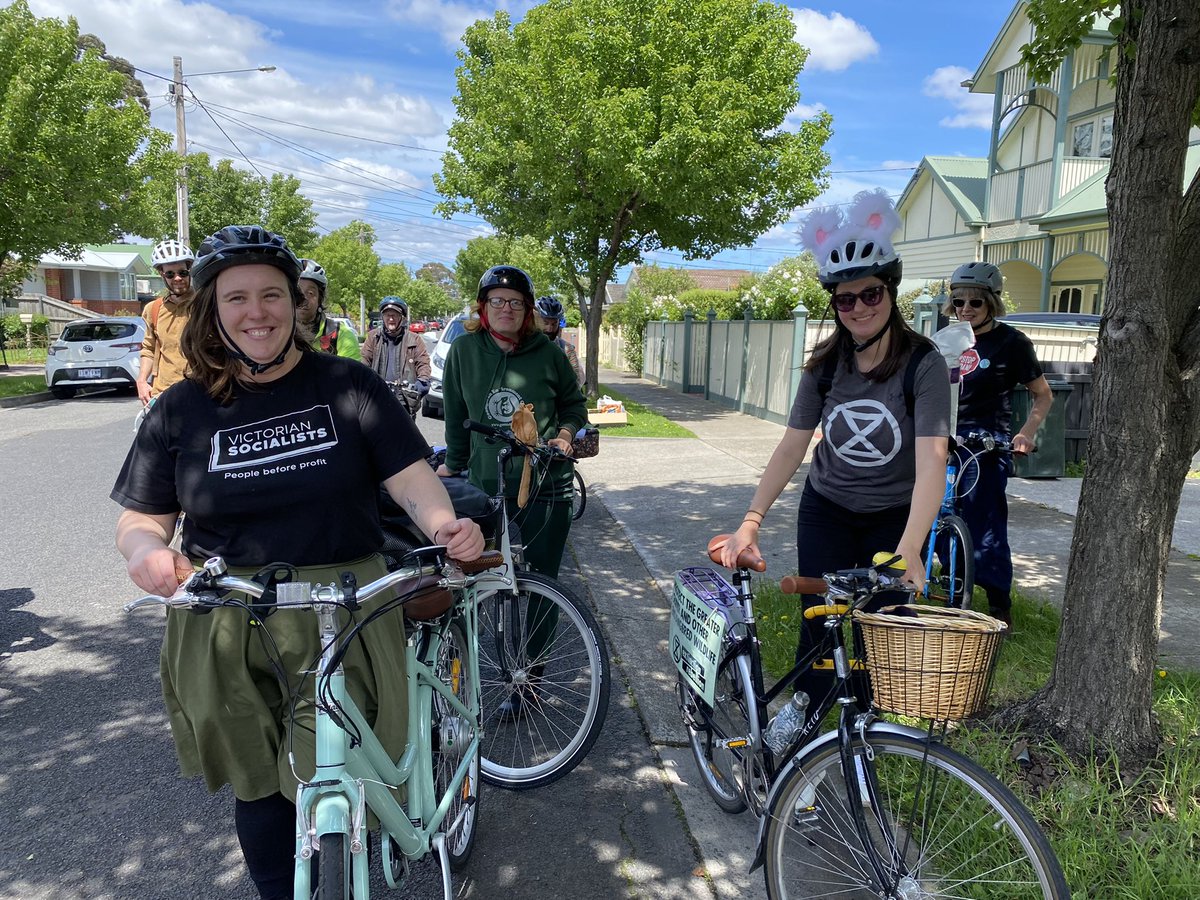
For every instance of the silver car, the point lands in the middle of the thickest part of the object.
(100, 352)
(433, 400)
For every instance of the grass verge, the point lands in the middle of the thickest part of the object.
(1119, 835)
(20, 385)
(643, 422)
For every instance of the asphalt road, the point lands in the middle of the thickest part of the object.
(94, 806)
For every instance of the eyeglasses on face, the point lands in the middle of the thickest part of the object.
(960, 302)
(512, 302)
(869, 296)
(177, 273)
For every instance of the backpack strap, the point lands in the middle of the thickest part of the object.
(150, 314)
(825, 377)
(920, 351)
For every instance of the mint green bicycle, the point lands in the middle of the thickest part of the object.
(439, 768)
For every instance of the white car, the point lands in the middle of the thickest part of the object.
(437, 361)
(99, 352)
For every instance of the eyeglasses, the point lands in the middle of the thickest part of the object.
(869, 296)
(960, 302)
(181, 273)
(500, 302)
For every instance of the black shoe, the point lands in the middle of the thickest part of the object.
(1004, 615)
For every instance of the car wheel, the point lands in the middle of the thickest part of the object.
(63, 393)
(429, 412)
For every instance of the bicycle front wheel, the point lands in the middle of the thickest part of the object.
(955, 585)
(938, 826)
(333, 879)
(721, 738)
(578, 496)
(543, 668)
(452, 736)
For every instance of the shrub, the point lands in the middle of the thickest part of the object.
(652, 295)
(790, 281)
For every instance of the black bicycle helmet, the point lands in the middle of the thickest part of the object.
(506, 276)
(391, 302)
(241, 245)
(548, 308)
(978, 274)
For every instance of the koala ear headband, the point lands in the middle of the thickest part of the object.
(861, 239)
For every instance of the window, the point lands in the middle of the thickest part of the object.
(1068, 300)
(97, 331)
(1106, 137)
(1081, 144)
(1093, 138)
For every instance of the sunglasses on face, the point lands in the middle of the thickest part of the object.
(869, 296)
(500, 302)
(960, 302)
(181, 273)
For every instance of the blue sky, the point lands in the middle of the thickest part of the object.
(888, 72)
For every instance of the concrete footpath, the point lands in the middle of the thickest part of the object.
(667, 497)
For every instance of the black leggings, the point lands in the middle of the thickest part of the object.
(266, 829)
(830, 537)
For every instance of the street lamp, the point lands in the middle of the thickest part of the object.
(181, 188)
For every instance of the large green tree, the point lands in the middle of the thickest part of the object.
(1145, 420)
(533, 256)
(77, 154)
(608, 128)
(441, 275)
(288, 212)
(352, 266)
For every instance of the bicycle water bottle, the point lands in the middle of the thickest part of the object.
(786, 726)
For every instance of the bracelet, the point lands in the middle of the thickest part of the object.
(753, 512)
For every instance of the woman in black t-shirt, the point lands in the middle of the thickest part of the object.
(1001, 359)
(275, 454)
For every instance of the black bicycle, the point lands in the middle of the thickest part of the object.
(873, 808)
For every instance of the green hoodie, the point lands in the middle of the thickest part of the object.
(484, 383)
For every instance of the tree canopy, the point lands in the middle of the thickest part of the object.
(528, 253)
(79, 154)
(352, 266)
(608, 128)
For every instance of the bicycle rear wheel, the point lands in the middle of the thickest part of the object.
(544, 673)
(940, 824)
(452, 736)
(731, 774)
(578, 496)
(955, 584)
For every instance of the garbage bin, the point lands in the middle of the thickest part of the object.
(1050, 461)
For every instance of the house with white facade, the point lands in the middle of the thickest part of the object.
(1035, 206)
(108, 279)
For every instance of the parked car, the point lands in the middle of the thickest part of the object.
(345, 322)
(99, 352)
(437, 361)
(416, 327)
(1052, 318)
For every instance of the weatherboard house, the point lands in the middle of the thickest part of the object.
(1035, 206)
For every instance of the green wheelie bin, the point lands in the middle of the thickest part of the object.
(1050, 461)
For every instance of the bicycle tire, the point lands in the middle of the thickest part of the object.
(557, 700)
(954, 541)
(450, 733)
(578, 497)
(332, 877)
(734, 778)
(969, 837)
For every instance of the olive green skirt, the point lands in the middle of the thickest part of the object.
(232, 719)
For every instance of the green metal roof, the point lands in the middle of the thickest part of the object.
(962, 178)
(143, 250)
(1088, 202)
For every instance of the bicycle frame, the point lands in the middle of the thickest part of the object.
(948, 508)
(355, 777)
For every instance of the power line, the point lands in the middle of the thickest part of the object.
(226, 133)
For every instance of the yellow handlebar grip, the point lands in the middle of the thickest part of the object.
(883, 556)
(837, 609)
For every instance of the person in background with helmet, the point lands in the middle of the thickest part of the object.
(881, 395)
(328, 336)
(397, 354)
(1001, 359)
(502, 361)
(551, 320)
(162, 362)
(261, 425)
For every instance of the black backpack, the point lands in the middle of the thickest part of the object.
(920, 351)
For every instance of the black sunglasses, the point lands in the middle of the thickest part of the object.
(869, 296)
(182, 273)
(960, 302)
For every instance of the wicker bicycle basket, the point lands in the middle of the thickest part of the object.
(930, 662)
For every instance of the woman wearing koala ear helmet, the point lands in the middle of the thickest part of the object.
(881, 397)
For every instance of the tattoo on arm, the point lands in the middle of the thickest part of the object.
(412, 507)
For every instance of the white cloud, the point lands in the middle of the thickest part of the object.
(799, 113)
(450, 18)
(834, 42)
(972, 110)
(900, 163)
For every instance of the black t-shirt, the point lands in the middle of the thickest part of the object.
(287, 472)
(1001, 359)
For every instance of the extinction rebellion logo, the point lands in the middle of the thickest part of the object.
(283, 437)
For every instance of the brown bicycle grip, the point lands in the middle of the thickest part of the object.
(745, 560)
(798, 584)
(489, 559)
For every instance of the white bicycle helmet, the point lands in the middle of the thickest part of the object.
(978, 274)
(313, 271)
(855, 245)
(170, 251)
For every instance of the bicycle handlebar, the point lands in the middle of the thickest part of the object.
(518, 446)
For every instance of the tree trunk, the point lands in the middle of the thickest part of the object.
(1144, 413)
(595, 314)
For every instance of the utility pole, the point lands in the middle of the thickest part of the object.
(362, 302)
(181, 185)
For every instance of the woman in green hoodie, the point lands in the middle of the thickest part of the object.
(503, 361)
